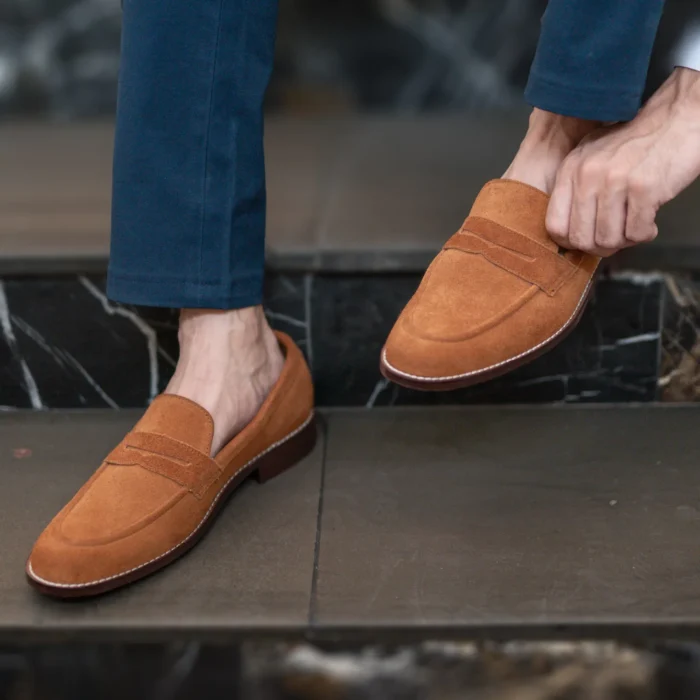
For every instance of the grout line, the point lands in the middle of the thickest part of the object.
(319, 520)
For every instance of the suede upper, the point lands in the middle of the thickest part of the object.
(156, 488)
(498, 290)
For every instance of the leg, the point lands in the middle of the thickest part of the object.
(502, 292)
(593, 57)
(189, 193)
(189, 216)
(590, 67)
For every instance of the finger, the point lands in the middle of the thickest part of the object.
(641, 221)
(605, 252)
(559, 208)
(584, 211)
(611, 219)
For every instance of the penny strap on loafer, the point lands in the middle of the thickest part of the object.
(168, 457)
(499, 294)
(155, 495)
(516, 253)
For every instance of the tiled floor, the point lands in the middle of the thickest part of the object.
(254, 568)
(358, 193)
(509, 516)
(443, 521)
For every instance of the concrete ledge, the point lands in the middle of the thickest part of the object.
(352, 194)
(430, 526)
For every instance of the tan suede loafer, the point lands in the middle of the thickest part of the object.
(498, 295)
(154, 495)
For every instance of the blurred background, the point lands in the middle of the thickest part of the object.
(59, 59)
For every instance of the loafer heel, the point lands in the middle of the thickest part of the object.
(287, 454)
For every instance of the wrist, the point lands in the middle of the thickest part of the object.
(683, 89)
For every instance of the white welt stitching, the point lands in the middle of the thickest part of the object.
(498, 364)
(201, 522)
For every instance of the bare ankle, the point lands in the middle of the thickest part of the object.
(243, 335)
(229, 361)
(556, 133)
(549, 139)
(248, 324)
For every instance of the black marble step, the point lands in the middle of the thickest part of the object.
(64, 345)
(358, 193)
(403, 523)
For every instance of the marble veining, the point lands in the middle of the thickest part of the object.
(679, 374)
(148, 332)
(63, 344)
(9, 335)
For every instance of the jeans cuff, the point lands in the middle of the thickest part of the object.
(238, 293)
(608, 105)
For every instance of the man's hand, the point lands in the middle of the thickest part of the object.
(609, 189)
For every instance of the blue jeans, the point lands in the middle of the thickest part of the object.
(188, 208)
(188, 211)
(593, 56)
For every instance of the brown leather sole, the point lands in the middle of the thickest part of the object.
(461, 382)
(265, 466)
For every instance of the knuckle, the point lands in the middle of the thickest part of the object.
(603, 238)
(642, 235)
(568, 167)
(638, 186)
(634, 235)
(590, 171)
(559, 239)
(608, 234)
(616, 179)
(579, 242)
(556, 226)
